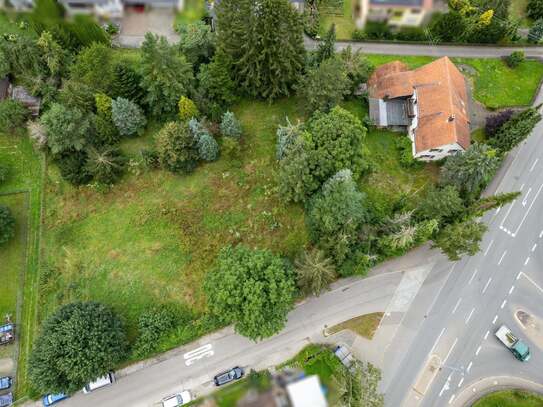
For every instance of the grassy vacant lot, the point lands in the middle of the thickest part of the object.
(342, 17)
(518, 11)
(364, 325)
(21, 256)
(510, 398)
(495, 84)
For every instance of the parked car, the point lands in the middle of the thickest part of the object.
(6, 400)
(344, 355)
(177, 400)
(50, 399)
(5, 382)
(7, 334)
(228, 376)
(100, 382)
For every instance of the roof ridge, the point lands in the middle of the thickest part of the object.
(450, 91)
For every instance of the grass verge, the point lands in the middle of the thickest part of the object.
(363, 325)
(510, 398)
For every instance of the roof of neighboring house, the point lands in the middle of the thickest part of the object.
(442, 100)
(306, 392)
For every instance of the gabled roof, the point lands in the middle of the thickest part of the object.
(442, 100)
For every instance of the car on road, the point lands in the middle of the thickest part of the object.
(177, 400)
(50, 399)
(518, 348)
(103, 381)
(5, 383)
(6, 399)
(235, 373)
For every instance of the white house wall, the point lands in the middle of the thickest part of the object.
(446, 150)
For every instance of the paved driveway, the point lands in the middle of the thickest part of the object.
(135, 25)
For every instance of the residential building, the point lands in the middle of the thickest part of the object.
(429, 103)
(397, 13)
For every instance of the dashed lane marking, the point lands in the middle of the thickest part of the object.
(501, 258)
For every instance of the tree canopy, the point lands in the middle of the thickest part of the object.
(253, 289)
(66, 128)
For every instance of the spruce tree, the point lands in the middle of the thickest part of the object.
(264, 40)
(127, 84)
(326, 47)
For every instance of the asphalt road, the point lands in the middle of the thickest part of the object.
(480, 294)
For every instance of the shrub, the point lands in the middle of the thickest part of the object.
(196, 41)
(536, 31)
(106, 165)
(494, 122)
(378, 31)
(73, 168)
(78, 343)
(128, 117)
(208, 148)
(77, 95)
(103, 105)
(231, 150)
(7, 225)
(106, 132)
(314, 272)
(296, 181)
(230, 126)
(415, 34)
(13, 115)
(253, 289)
(177, 148)
(357, 66)
(150, 158)
(515, 59)
(359, 35)
(534, 9)
(286, 135)
(187, 109)
(405, 148)
(93, 67)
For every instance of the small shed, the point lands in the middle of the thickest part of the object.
(33, 103)
(4, 88)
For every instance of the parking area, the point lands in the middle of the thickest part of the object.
(135, 24)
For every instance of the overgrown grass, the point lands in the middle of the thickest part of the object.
(17, 153)
(363, 325)
(518, 11)
(194, 10)
(343, 20)
(510, 398)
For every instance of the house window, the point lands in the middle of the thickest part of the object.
(453, 151)
(428, 156)
(436, 150)
(415, 11)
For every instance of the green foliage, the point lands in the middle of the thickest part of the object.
(78, 343)
(536, 31)
(324, 86)
(4, 174)
(208, 148)
(534, 9)
(405, 148)
(460, 239)
(470, 172)
(326, 48)
(73, 167)
(479, 207)
(103, 105)
(515, 59)
(335, 142)
(127, 117)
(166, 75)
(54, 56)
(515, 129)
(230, 125)
(77, 95)
(311, 18)
(196, 41)
(67, 129)
(448, 27)
(357, 66)
(271, 58)
(377, 30)
(106, 164)
(187, 109)
(335, 215)
(443, 204)
(216, 89)
(93, 67)
(253, 289)
(126, 84)
(286, 135)
(314, 272)
(13, 115)
(105, 132)
(358, 386)
(231, 150)
(177, 148)
(7, 225)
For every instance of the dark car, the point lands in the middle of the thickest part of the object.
(228, 376)
(7, 334)
(5, 383)
(50, 399)
(6, 400)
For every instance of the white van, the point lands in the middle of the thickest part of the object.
(178, 399)
(100, 382)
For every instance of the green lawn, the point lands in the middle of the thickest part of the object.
(510, 398)
(22, 256)
(194, 10)
(342, 18)
(364, 325)
(496, 85)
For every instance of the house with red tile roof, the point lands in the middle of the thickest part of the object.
(429, 103)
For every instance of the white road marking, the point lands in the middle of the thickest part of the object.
(511, 289)
(533, 165)
(486, 335)
(450, 350)
(534, 246)
(489, 246)
(527, 260)
(501, 258)
(469, 316)
(487, 284)
(525, 200)
(507, 214)
(469, 367)
(528, 211)
(478, 350)
(445, 386)
(437, 340)
(452, 399)
(519, 274)
(541, 234)
(503, 304)
(532, 281)
(522, 187)
(460, 382)
(495, 319)
(498, 210)
(472, 277)
(457, 304)
(198, 353)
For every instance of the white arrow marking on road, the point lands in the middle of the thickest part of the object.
(445, 386)
(198, 353)
(501, 258)
(528, 211)
(533, 165)
(525, 200)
